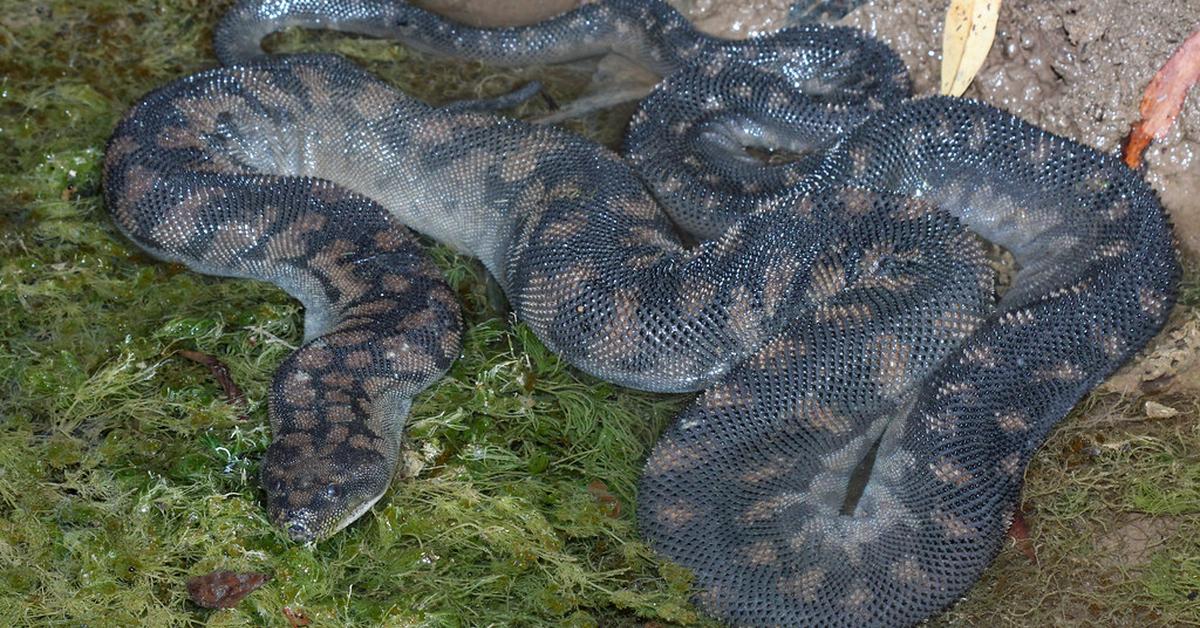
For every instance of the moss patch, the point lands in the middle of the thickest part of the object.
(123, 470)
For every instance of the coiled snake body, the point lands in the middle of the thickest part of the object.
(839, 318)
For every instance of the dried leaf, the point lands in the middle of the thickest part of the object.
(1163, 99)
(1018, 531)
(966, 39)
(223, 589)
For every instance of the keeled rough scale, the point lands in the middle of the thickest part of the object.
(839, 321)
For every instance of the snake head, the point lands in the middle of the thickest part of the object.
(316, 487)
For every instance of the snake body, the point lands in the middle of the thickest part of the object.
(838, 319)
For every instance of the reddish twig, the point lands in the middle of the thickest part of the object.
(220, 373)
(296, 618)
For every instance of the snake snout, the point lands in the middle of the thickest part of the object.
(296, 526)
(313, 497)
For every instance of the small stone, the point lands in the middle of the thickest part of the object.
(1157, 410)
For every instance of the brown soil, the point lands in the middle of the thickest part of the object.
(1132, 540)
(1170, 365)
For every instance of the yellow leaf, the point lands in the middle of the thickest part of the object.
(966, 40)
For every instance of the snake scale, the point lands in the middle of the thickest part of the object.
(838, 316)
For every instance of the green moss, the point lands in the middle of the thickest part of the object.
(1168, 485)
(123, 469)
(1189, 291)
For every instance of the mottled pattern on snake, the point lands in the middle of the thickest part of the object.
(816, 81)
(380, 324)
(589, 261)
(828, 327)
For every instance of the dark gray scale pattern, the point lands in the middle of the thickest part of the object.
(750, 491)
(810, 84)
(184, 180)
(835, 63)
(840, 320)
(208, 170)
(689, 140)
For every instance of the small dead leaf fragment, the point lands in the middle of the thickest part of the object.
(1163, 99)
(1156, 410)
(967, 37)
(220, 373)
(1018, 531)
(1171, 364)
(608, 502)
(296, 618)
(223, 589)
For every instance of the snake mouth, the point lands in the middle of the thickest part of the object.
(305, 525)
(354, 514)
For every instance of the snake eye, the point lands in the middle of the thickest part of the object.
(332, 492)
